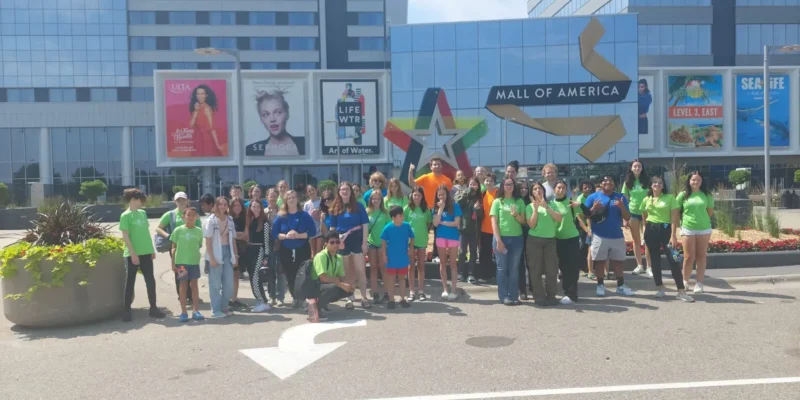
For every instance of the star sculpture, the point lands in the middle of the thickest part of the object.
(435, 118)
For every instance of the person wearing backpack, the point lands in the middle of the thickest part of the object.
(166, 225)
(323, 278)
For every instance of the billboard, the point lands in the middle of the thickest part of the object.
(196, 113)
(353, 105)
(694, 112)
(646, 118)
(274, 117)
(750, 111)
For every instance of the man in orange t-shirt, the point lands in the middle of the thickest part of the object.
(486, 269)
(430, 181)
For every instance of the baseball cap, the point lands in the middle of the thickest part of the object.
(180, 195)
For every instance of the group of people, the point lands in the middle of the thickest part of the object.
(517, 232)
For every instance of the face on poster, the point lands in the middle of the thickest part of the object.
(274, 117)
(645, 114)
(750, 111)
(694, 109)
(353, 104)
(196, 118)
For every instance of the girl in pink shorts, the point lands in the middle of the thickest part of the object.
(447, 219)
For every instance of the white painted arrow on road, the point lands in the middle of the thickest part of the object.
(296, 348)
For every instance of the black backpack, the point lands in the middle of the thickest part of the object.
(304, 286)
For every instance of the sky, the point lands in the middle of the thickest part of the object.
(426, 11)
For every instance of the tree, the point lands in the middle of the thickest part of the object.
(178, 188)
(93, 189)
(739, 177)
(84, 174)
(326, 185)
(248, 185)
(4, 197)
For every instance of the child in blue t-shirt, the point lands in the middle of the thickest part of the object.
(396, 238)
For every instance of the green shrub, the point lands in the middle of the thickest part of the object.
(326, 185)
(758, 222)
(724, 218)
(772, 226)
(50, 204)
(93, 189)
(247, 185)
(178, 188)
(154, 200)
(739, 177)
(797, 176)
(4, 197)
(63, 225)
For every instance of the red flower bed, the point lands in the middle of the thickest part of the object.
(742, 246)
(789, 231)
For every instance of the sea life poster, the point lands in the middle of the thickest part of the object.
(750, 119)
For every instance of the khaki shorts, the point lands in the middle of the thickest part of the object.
(608, 249)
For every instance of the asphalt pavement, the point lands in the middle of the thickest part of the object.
(736, 342)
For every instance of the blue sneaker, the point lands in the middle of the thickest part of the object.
(184, 317)
(197, 316)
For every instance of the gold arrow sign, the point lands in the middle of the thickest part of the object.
(607, 130)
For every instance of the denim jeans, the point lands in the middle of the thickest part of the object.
(508, 267)
(220, 282)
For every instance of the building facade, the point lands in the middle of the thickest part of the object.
(697, 33)
(76, 77)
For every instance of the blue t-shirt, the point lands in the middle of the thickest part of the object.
(611, 227)
(369, 193)
(347, 220)
(449, 232)
(300, 222)
(263, 203)
(397, 238)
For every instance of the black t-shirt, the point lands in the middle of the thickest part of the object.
(256, 236)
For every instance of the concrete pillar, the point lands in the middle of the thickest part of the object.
(127, 157)
(208, 180)
(45, 157)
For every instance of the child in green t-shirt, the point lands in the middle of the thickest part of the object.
(186, 242)
(139, 251)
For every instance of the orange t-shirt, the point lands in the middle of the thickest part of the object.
(429, 183)
(488, 198)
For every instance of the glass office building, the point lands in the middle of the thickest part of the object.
(468, 59)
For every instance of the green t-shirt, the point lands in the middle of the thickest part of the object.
(362, 202)
(188, 242)
(280, 202)
(501, 208)
(419, 221)
(581, 198)
(565, 229)
(165, 219)
(659, 209)
(377, 221)
(635, 196)
(388, 202)
(695, 216)
(138, 227)
(325, 264)
(545, 224)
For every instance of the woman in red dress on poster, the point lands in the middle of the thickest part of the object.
(203, 105)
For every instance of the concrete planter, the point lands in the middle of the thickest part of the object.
(17, 218)
(106, 212)
(71, 304)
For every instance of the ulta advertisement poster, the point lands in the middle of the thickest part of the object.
(750, 111)
(196, 117)
(694, 112)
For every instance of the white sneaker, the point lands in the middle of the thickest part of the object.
(686, 285)
(435, 260)
(601, 291)
(625, 290)
(261, 307)
(660, 293)
(638, 270)
(453, 296)
(698, 288)
(445, 295)
(685, 297)
(649, 272)
(566, 301)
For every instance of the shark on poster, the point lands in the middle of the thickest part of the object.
(353, 105)
(750, 111)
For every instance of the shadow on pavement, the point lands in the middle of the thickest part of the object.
(140, 320)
